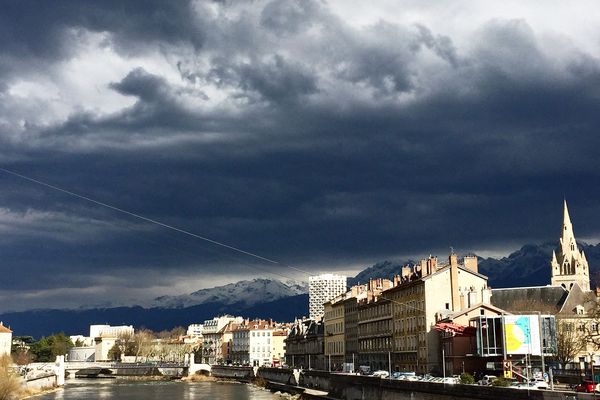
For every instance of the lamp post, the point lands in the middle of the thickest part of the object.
(592, 371)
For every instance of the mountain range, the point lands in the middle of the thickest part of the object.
(269, 298)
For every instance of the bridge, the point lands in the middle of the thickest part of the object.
(70, 368)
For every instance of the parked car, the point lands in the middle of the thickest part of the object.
(487, 380)
(533, 385)
(450, 380)
(587, 387)
(404, 375)
(381, 374)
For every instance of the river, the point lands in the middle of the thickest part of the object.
(91, 389)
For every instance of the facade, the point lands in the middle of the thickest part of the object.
(212, 338)
(350, 303)
(321, 289)
(102, 345)
(305, 345)
(194, 330)
(278, 345)
(459, 340)
(5, 340)
(335, 338)
(422, 296)
(569, 265)
(240, 344)
(108, 330)
(375, 326)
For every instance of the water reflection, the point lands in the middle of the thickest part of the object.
(125, 389)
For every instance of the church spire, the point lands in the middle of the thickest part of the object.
(567, 231)
(569, 265)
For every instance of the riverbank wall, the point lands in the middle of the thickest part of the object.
(357, 387)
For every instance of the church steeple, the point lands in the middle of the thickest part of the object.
(569, 265)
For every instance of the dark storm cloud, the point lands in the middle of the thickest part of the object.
(284, 130)
(49, 29)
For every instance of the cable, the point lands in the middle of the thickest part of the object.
(150, 220)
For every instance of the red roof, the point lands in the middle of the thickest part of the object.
(457, 330)
(4, 329)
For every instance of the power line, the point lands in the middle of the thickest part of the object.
(152, 221)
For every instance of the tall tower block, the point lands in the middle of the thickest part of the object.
(569, 265)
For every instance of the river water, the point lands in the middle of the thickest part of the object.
(91, 389)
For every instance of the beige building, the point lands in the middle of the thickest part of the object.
(375, 325)
(5, 339)
(421, 297)
(333, 321)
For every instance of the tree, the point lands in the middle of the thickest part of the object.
(9, 382)
(21, 356)
(569, 342)
(115, 352)
(142, 340)
(47, 348)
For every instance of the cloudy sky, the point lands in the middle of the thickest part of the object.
(316, 134)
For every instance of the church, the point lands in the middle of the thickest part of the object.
(568, 297)
(569, 266)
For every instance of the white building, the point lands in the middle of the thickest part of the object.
(195, 330)
(321, 289)
(5, 340)
(111, 331)
(266, 342)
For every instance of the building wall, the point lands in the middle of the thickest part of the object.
(260, 347)
(102, 347)
(321, 289)
(438, 297)
(5, 342)
(375, 333)
(334, 334)
(410, 349)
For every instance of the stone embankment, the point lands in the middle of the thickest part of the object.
(336, 386)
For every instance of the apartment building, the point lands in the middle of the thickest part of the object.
(321, 289)
(335, 338)
(423, 295)
(212, 338)
(375, 325)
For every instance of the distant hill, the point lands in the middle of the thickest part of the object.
(38, 323)
(247, 293)
(528, 266)
(265, 298)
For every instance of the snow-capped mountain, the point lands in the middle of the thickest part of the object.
(245, 293)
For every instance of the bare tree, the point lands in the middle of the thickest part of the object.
(569, 341)
(142, 340)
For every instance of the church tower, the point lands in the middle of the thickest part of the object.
(569, 265)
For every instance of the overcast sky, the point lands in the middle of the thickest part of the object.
(317, 134)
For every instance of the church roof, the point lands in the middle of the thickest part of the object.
(548, 299)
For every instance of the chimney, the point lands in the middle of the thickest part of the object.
(431, 265)
(406, 272)
(470, 262)
(396, 280)
(423, 267)
(453, 259)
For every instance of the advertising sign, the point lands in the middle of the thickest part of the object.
(522, 333)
